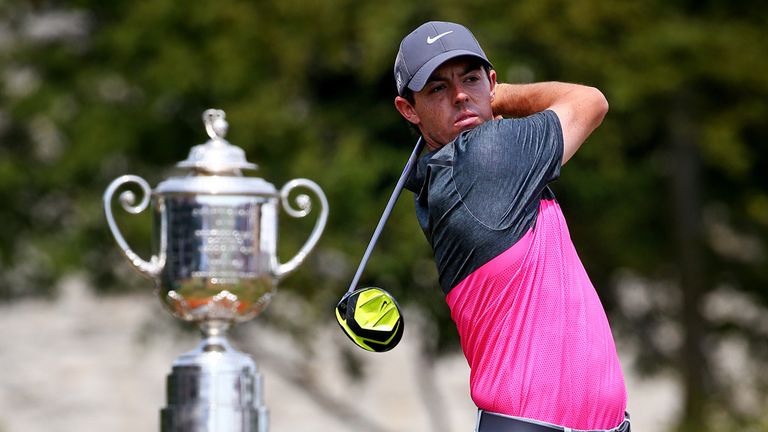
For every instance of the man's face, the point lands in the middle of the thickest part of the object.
(457, 97)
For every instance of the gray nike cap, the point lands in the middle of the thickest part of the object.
(426, 48)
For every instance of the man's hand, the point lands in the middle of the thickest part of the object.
(580, 108)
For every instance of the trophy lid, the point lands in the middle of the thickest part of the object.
(217, 185)
(216, 166)
(217, 156)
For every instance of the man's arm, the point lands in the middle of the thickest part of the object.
(580, 109)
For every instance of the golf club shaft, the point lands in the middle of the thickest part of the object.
(390, 205)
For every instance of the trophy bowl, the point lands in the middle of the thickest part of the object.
(216, 265)
(214, 242)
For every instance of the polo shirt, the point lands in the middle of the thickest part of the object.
(530, 322)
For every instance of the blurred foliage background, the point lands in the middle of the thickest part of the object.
(667, 202)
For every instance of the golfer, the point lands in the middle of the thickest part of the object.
(531, 325)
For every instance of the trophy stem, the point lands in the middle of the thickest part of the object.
(214, 328)
(214, 388)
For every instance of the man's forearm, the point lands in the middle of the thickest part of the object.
(521, 100)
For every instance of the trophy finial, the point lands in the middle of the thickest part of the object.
(215, 124)
(217, 156)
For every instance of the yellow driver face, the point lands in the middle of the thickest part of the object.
(371, 318)
(376, 311)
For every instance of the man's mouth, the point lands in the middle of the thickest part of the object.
(465, 119)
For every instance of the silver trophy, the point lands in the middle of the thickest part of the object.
(214, 262)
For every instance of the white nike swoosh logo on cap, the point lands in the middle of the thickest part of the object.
(431, 40)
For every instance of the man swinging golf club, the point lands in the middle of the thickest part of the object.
(531, 325)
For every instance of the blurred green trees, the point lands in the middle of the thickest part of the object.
(667, 202)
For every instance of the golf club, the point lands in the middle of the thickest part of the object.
(370, 316)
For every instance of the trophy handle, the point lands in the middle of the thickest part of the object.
(155, 265)
(304, 207)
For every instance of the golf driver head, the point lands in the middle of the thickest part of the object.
(371, 318)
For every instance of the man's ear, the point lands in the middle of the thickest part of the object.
(406, 110)
(492, 79)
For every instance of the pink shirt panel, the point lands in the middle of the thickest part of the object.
(535, 334)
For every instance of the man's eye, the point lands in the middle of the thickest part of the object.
(437, 89)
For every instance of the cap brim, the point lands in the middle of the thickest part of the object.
(421, 76)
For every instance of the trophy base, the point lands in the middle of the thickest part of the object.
(214, 388)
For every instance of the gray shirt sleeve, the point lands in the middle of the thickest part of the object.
(502, 169)
(478, 195)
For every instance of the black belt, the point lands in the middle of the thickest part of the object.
(493, 422)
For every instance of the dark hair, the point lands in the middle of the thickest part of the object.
(408, 95)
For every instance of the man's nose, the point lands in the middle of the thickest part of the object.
(460, 96)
